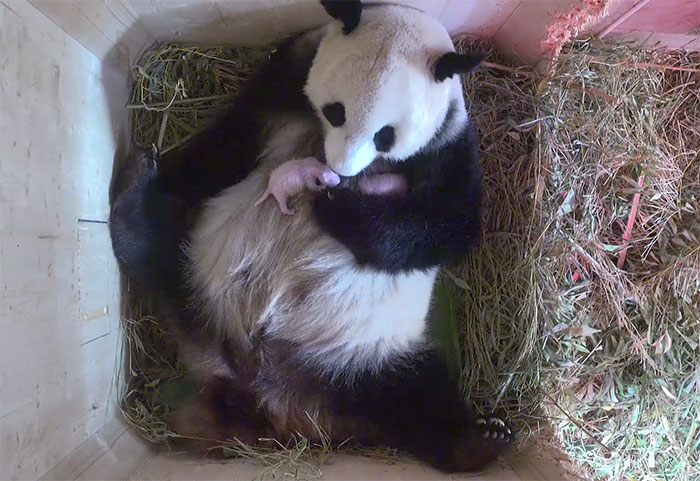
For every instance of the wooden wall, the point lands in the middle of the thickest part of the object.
(670, 23)
(61, 116)
(518, 26)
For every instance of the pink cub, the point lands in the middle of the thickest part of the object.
(290, 178)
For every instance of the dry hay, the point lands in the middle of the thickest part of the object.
(584, 296)
(551, 321)
(618, 165)
(501, 355)
(178, 89)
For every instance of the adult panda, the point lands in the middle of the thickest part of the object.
(292, 323)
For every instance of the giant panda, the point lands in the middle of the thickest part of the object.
(316, 321)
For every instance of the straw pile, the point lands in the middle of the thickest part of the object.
(554, 329)
(618, 258)
(178, 89)
(584, 297)
(495, 281)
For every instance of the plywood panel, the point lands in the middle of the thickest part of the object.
(89, 452)
(114, 453)
(615, 9)
(259, 21)
(166, 467)
(525, 465)
(477, 18)
(123, 458)
(242, 21)
(107, 28)
(664, 16)
(521, 34)
(690, 42)
(665, 22)
(60, 125)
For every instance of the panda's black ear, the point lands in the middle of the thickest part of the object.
(347, 11)
(455, 63)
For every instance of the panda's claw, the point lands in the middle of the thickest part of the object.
(497, 421)
(494, 428)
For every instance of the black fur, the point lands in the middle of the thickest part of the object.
(157, 200)
(435, 224)
(225, 153)
(419, 409)
(347, 11)
(454, 63)
(384, 139)
(147, 226)
(334, 114)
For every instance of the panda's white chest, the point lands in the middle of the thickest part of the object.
(390, 309)
(363, 319)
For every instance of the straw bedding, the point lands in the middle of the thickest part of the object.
(618, 258)
(579, 310)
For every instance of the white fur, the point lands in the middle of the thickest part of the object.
(257, 270)
(382, 74)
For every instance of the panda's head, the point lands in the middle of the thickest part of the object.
(384, 83)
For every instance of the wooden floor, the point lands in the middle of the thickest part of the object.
(118, 453)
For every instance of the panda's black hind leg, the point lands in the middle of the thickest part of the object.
(418, 408)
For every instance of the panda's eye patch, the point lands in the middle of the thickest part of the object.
(334, 113)
(384, 139)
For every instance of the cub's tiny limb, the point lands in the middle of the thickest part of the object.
(290, 179)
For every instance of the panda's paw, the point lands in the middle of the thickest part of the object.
(482, 440)
(494, 428)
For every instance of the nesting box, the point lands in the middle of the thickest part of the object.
(63, 84)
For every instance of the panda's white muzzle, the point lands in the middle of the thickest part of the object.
(349, 159)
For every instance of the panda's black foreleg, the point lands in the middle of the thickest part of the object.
(419, 409)
(228, 150)
(400, 234)
(434, 224)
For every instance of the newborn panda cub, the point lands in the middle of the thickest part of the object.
(290, 178)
